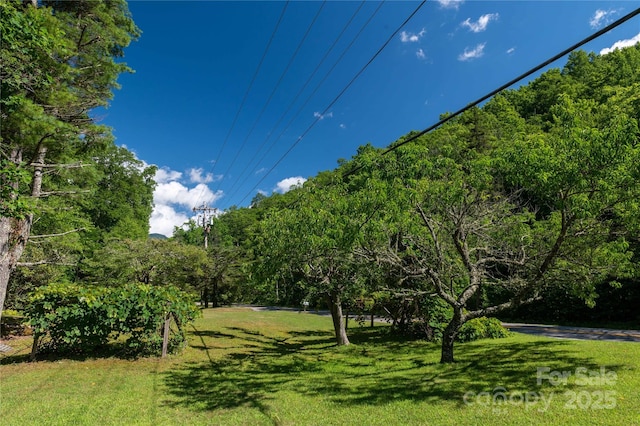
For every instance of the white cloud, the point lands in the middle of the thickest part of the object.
(166, 175)
(510, 51)
(320, 116)
(172, 199)
(261, 170)
(164, 218)
(420, 54)
(196, 176)
(475, 53)
(481, 24)
(343, 126)
(621, 44)
(450, 4)
(176, 193)
(407, 37)
(285, 184)
(602, 17)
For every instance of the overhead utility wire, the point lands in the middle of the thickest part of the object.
(250, 163)
(288, 125)
(344, 52)
(342, 92)
(246, 94)
(504, 86)
(275, 89)
(508, 84)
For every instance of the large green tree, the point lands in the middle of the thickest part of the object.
(149, 261)
(59, 60)
(314, 241)
(121, 201)
(538, 208)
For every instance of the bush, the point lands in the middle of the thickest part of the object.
(415, 315)
(80, 319)
(73, 317)
(482, 328)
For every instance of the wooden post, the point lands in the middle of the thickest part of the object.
(34, 347)
(372, 318)
(165, 337)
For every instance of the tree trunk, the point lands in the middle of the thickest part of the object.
(205, 297)
(14, 232)
(214, 296)
(449, 336)
(13, 238)
(335, 305)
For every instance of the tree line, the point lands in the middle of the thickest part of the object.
(534, 193)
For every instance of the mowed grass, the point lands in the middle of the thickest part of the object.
(282, 368)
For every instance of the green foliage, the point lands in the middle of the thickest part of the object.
(122, 199)
(149, 261)
(314, 240)
(59, 61)
(74, 317)
(13, 180)
(141, 311)
(482, 328)
(78, 318)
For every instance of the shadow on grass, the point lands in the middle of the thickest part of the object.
(114, 348)
(110, 350)
(377, 369)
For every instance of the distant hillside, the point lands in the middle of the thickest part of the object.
(158, 237)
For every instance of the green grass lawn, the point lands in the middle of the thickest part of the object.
(254, 368)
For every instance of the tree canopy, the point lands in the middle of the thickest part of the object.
(59, 60)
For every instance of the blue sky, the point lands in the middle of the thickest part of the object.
(183, 110)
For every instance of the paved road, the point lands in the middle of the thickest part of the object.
(557, 331)
(579, 333)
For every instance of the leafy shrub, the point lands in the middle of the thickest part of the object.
(77, 318)
(73, 317)
(416, 315)
(142, 312)
(482, 328)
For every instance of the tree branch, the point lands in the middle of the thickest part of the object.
(434, 237)
(50, 193)
(43, 262)
(61, 166)
(57, 235)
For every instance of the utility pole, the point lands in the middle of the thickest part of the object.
(205, 213)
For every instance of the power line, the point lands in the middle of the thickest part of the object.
(246, 94)
(501, 88)
(286, 70)
(250, 163)
(342, 92)
(496, 91)
(508, 84)
(344, 52)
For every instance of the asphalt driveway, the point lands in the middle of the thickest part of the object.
(579, 333)
(556, 331)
